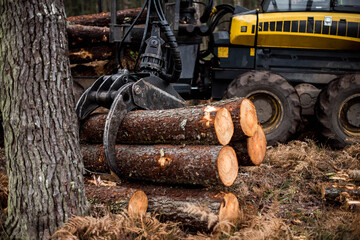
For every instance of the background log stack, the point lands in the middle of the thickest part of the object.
(345, 191)
(185, 146)
(90, 52)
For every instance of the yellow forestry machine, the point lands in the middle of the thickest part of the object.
(292, 58)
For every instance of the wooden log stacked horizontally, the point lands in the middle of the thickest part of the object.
(190, 143)
(195, 209)
(184, 146)
(88, 36)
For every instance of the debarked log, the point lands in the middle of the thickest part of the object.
(189, 125)
(195, 209)
(103, 19)
(190, 165)
(336, 192)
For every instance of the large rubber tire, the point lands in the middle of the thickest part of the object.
(276, 102)
(338, 110)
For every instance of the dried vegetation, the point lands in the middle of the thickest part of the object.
(278, 200)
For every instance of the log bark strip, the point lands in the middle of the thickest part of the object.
(195, 209)
(193, 165)
(103, 19)
(87, 36)
(191, 125)
(335, 192)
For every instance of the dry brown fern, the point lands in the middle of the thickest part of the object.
(119, 226)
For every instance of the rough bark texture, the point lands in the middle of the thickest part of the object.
(43, 154)
(194, 165)
(191, 125)
(186, 206)
(103, 19)
(87, 36)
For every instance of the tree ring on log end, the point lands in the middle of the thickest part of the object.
(227, 165)
(138, 204)
(224, 126)
(229, 208)
(256, 146)
(248, 117)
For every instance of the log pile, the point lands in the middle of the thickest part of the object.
(90, 52)
(345, 191)
(191, 146)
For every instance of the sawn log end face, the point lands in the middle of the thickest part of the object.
(227, 165)
(224, 127)
(257, 146)
(138, 204)
(248, 117)
(229, 208)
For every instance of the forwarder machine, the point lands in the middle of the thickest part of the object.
(292, 58)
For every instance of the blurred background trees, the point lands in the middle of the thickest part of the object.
(81, 7)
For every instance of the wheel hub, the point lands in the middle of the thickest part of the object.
(349, 115)
(269, 109)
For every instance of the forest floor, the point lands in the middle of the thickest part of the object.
(280, 199)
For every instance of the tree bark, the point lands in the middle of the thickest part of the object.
(87, 36)
(103, 19)
(195, 209)
(191, 125)
(192, 165)
(39, 121)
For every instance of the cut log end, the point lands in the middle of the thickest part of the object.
(257, 146)
(248, 118)
(227, 165)
(224, 126)
(229, 208)
(138, 204)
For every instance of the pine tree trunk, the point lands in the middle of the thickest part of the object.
(195, 209)
(192, 165)
(189, 125)
(40, 127)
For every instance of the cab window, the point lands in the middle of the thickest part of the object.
(347, 5)
(296, 5)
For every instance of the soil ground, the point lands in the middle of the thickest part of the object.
(280, 199)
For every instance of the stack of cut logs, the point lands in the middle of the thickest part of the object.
(90, 52)
(197, 145)
(345, 191)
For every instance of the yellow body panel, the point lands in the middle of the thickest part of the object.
(239, 36)
(323, 38)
